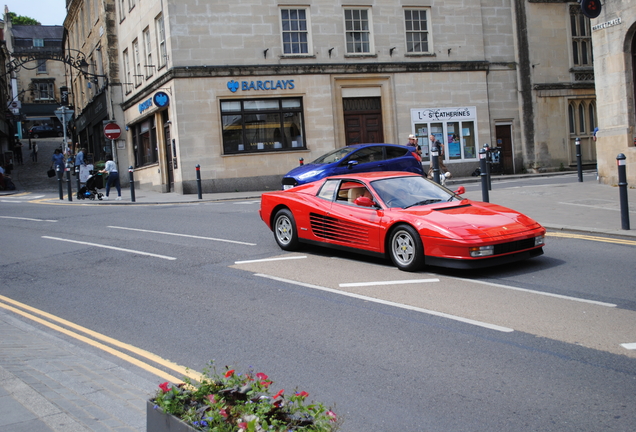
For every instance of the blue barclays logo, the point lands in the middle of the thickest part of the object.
(260, 85)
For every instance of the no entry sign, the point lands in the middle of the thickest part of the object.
(112, 131)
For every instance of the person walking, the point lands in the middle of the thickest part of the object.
(442, 168)
(58, 160)
(79, 161)
(17, 152)
(113, 176)
(34, 152)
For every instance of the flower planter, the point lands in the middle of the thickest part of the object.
(157, 421)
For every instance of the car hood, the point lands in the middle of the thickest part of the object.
(472, 219)
(305, 170)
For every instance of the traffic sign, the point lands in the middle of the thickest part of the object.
(112, 131)
(64, 114)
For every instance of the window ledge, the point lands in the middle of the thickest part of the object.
(428, 54)
(297, 56)
(361, 55)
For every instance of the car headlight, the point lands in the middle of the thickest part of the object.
(285, 187)
(538, 241)
(481, 251)
(308, 174)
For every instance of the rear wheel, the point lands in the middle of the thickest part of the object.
(406, 249)
(285, 230)
(36, 136)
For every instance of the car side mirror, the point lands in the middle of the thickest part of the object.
(364, 201)
(460, 190)
(351, 164)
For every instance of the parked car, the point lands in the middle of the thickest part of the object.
(352, 159)
(411, 219)
(44, 131)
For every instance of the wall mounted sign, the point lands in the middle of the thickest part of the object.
(234, 86)
(443, 114)
(607, 24)
(161, 99)
(145, 105)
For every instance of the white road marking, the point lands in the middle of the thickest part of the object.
(378, 283)
(112, 247)
(247, 202)
(389, 303)
(12, 201)
(269, 259)
(184, 235)
(594, 302)
(629, 346)
(28, 219)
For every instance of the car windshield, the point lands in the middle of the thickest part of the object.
(334, 156)
(411, 191)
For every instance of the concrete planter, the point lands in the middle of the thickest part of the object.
(157, 421)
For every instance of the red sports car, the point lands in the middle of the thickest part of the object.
(411, 219)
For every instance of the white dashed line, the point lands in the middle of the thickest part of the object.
(112, 247)
(629, 346)
(269, 259)
(378, 283)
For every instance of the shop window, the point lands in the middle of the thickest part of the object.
(295, 31)
(457, 135)
(358, 31)
(144, 136)
(262, 125)
(417, 33)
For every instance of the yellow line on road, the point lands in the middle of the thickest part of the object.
(592, 238)
(133, 349)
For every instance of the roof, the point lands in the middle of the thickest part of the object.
(37, 32)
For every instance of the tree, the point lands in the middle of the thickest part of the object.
(22, 20)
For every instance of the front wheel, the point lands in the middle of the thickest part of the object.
(405, 248)
(285, 230)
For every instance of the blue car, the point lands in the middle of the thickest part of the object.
(355, 158)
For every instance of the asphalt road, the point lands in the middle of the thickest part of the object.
(434, 351)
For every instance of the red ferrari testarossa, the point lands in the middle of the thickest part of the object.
(411, 219)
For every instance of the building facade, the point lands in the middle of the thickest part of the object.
(246, 90)
(95, 90)
(614, 36)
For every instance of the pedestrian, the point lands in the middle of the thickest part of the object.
(412, 145)
(79, 161)
(113, 176)
(34, 152)
(17, 152)
(58, 160)
(442, 168)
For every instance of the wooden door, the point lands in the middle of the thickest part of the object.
(504, 141)
(363, 120)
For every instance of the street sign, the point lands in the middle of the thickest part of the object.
(64, 114)
(112, 131)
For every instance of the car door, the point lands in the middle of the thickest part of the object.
(351, 225)
(366, 159)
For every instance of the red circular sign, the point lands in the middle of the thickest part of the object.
(112, 131)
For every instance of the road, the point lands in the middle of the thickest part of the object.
(530, 346)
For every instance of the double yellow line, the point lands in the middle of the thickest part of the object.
(592, 238)
(93, 339)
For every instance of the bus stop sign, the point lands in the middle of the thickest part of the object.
(112, 131)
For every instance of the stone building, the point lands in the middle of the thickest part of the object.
(35, 81)
(247, 89)
(614, 36)
(90, 39)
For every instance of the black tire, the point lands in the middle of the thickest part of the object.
(405, 248)
(36, 136)
(284, 228)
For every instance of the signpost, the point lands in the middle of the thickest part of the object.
(112, 132)
(64, 114)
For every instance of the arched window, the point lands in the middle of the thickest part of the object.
(571, 118)
(581, 118)
(592, 115)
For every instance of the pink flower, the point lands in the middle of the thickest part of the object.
(212, 398)
(279, 393)
(223, 412)
(332, 415)
(261, 376)
(242, 425)
(164, 387)
(229, 373)
(302, 394)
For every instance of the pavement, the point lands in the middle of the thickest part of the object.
(49, 383)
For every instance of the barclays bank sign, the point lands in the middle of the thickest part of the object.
(234, 86)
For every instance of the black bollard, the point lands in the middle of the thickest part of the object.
(132, 183)
(77, 176)
(435, 162)
(622, 187)
(579, 166)
(60, 175)
(483, 175)
(68, 183)
(488, 162)
(199, 181)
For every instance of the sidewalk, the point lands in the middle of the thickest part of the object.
(49, 384)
